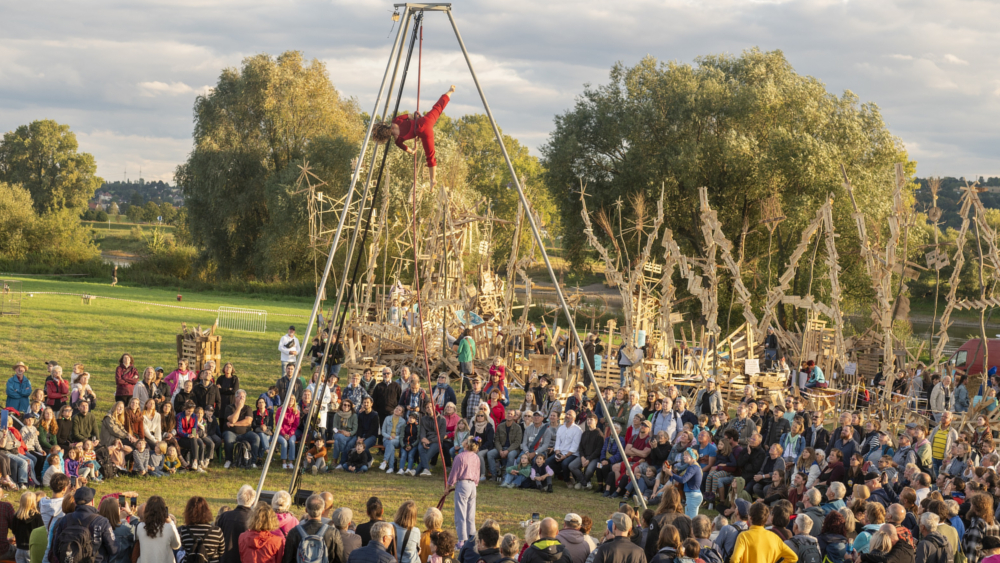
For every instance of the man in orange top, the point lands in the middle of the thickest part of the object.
(406, 127)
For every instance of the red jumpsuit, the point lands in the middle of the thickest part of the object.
(423, 127)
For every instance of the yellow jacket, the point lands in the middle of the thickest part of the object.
(758, 545)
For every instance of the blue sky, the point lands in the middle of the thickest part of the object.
(124, 74)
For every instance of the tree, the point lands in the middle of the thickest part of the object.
(53, 238)
(17, 219)
(135, 213)
(168, 212)
(42, 157)
(250, 131)
(113, 209)
(102, 215)
(746, 127)
(151, 212)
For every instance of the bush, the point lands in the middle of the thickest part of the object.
(102, 216)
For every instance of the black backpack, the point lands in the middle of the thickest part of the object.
(198, 554)
(75, 542)
(241, 456)
(337, 354)
(103, 457)
(808, 552)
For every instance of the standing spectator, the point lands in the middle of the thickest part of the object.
(198, 534)
(981, 524)
(144, 389)
(341, 519)
(620, 549)
(442, 394)
(464, 476)
(466, 353)
(122, 524)
(373, 508)
(206, 392)
(85, 515)
(26, 519)
(313, 525)
(933, 547)
(239, 419)
(286, 381)
(176, 379)
(233, 524)
(354, 391)
(386, 395)
(260, 543)
(759, 545)
(289, 347)
(433, 520)
(709, 400)
(472, 399)
(572, 539)
(126, 376)
(56, 389)
(376, 550)
(83, 391)
(18, 389)
(407, 533)
(546, 549)
(228, 384)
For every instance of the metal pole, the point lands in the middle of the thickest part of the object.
(538, 238)
(326, 272)
(324, 383)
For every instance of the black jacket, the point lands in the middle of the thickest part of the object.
(232, 523)
(934, 548)
(590, 444)
(822, 437)
(750, 462)
(902, 552)
(100, 528)
(207, 396)
(619, 550)
(228, 386)
(547, 550)
(367, 424)
(282, 386)
(490, 555)
(332, 539)
(776, 429)
(385, 398)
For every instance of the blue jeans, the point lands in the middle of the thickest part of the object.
(19, 467)
(287, 445)
(623, 368)
(360, 469)
(511, 479)
(691, 503)
(936, 465)
(494, 455)
(229, 439)
(408, 459)
(341, 445)
(390, 452)
(265, 441)
(426, 453)
(455, 450)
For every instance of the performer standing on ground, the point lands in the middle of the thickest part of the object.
(406, 127)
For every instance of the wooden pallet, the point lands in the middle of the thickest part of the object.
(199, 351)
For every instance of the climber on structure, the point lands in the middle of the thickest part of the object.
(406, 127)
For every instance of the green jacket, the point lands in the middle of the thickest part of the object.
(85, 427)
(522, 471)
(348, 425)
(466, 349)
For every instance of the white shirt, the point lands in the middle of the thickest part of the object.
(922, 494)
(568, 439)
(282, 347)
(158, 549)
(324, 402)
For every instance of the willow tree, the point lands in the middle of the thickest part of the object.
(746, 127)
(250, 132)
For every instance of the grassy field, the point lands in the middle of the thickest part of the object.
(60, 327)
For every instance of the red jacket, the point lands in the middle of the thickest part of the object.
(423, 127)
(125, 380)
(56, 391)
(261, 547)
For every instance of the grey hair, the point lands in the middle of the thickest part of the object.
(930, 521)
(282, 501)
(509, 545)
(803, 524)
(381, 530)
(952, 507)
(246, 496)
(342, 517)
(838, 489)
(814, 496)
(242, 392)
(531, 532)
(314, 506)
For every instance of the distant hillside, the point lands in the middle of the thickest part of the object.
(140, 192)
(949, 194)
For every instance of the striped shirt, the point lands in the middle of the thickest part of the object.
(212, 545)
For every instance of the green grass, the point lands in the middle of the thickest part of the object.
(59, 327)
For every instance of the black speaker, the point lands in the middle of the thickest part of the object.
(301, 497)
(266, 496)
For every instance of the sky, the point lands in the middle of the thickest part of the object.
(125, 74)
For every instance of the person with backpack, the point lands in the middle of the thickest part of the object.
(407, 533)
(933, 547)
(833, 542)
(201, 539)
(75, 533)
(805, 546)
(759, 545)
(312, 541)
(156, 537)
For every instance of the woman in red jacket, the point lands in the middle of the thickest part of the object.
(258, 544)
(126, 376)
(56, 389)
(406, 127)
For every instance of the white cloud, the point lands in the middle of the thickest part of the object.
(125, 76)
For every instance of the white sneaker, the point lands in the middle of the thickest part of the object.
(227, 465)
(412, 472)
(578, 486)
(389, 471)
(314, 470)
(200, 470)
(425, 473)
(382, 466)
(401, 472)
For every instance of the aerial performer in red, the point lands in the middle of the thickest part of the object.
(406, 127)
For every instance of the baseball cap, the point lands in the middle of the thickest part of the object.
(871, 476)
(539, 413)
(710, 380)
(84, 495)
(743, 507)
(621, 521)
(574, 518)
(291, 327)
(159, 368)
(647, 423)
(911, 425)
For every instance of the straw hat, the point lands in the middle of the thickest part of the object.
(20, 365)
